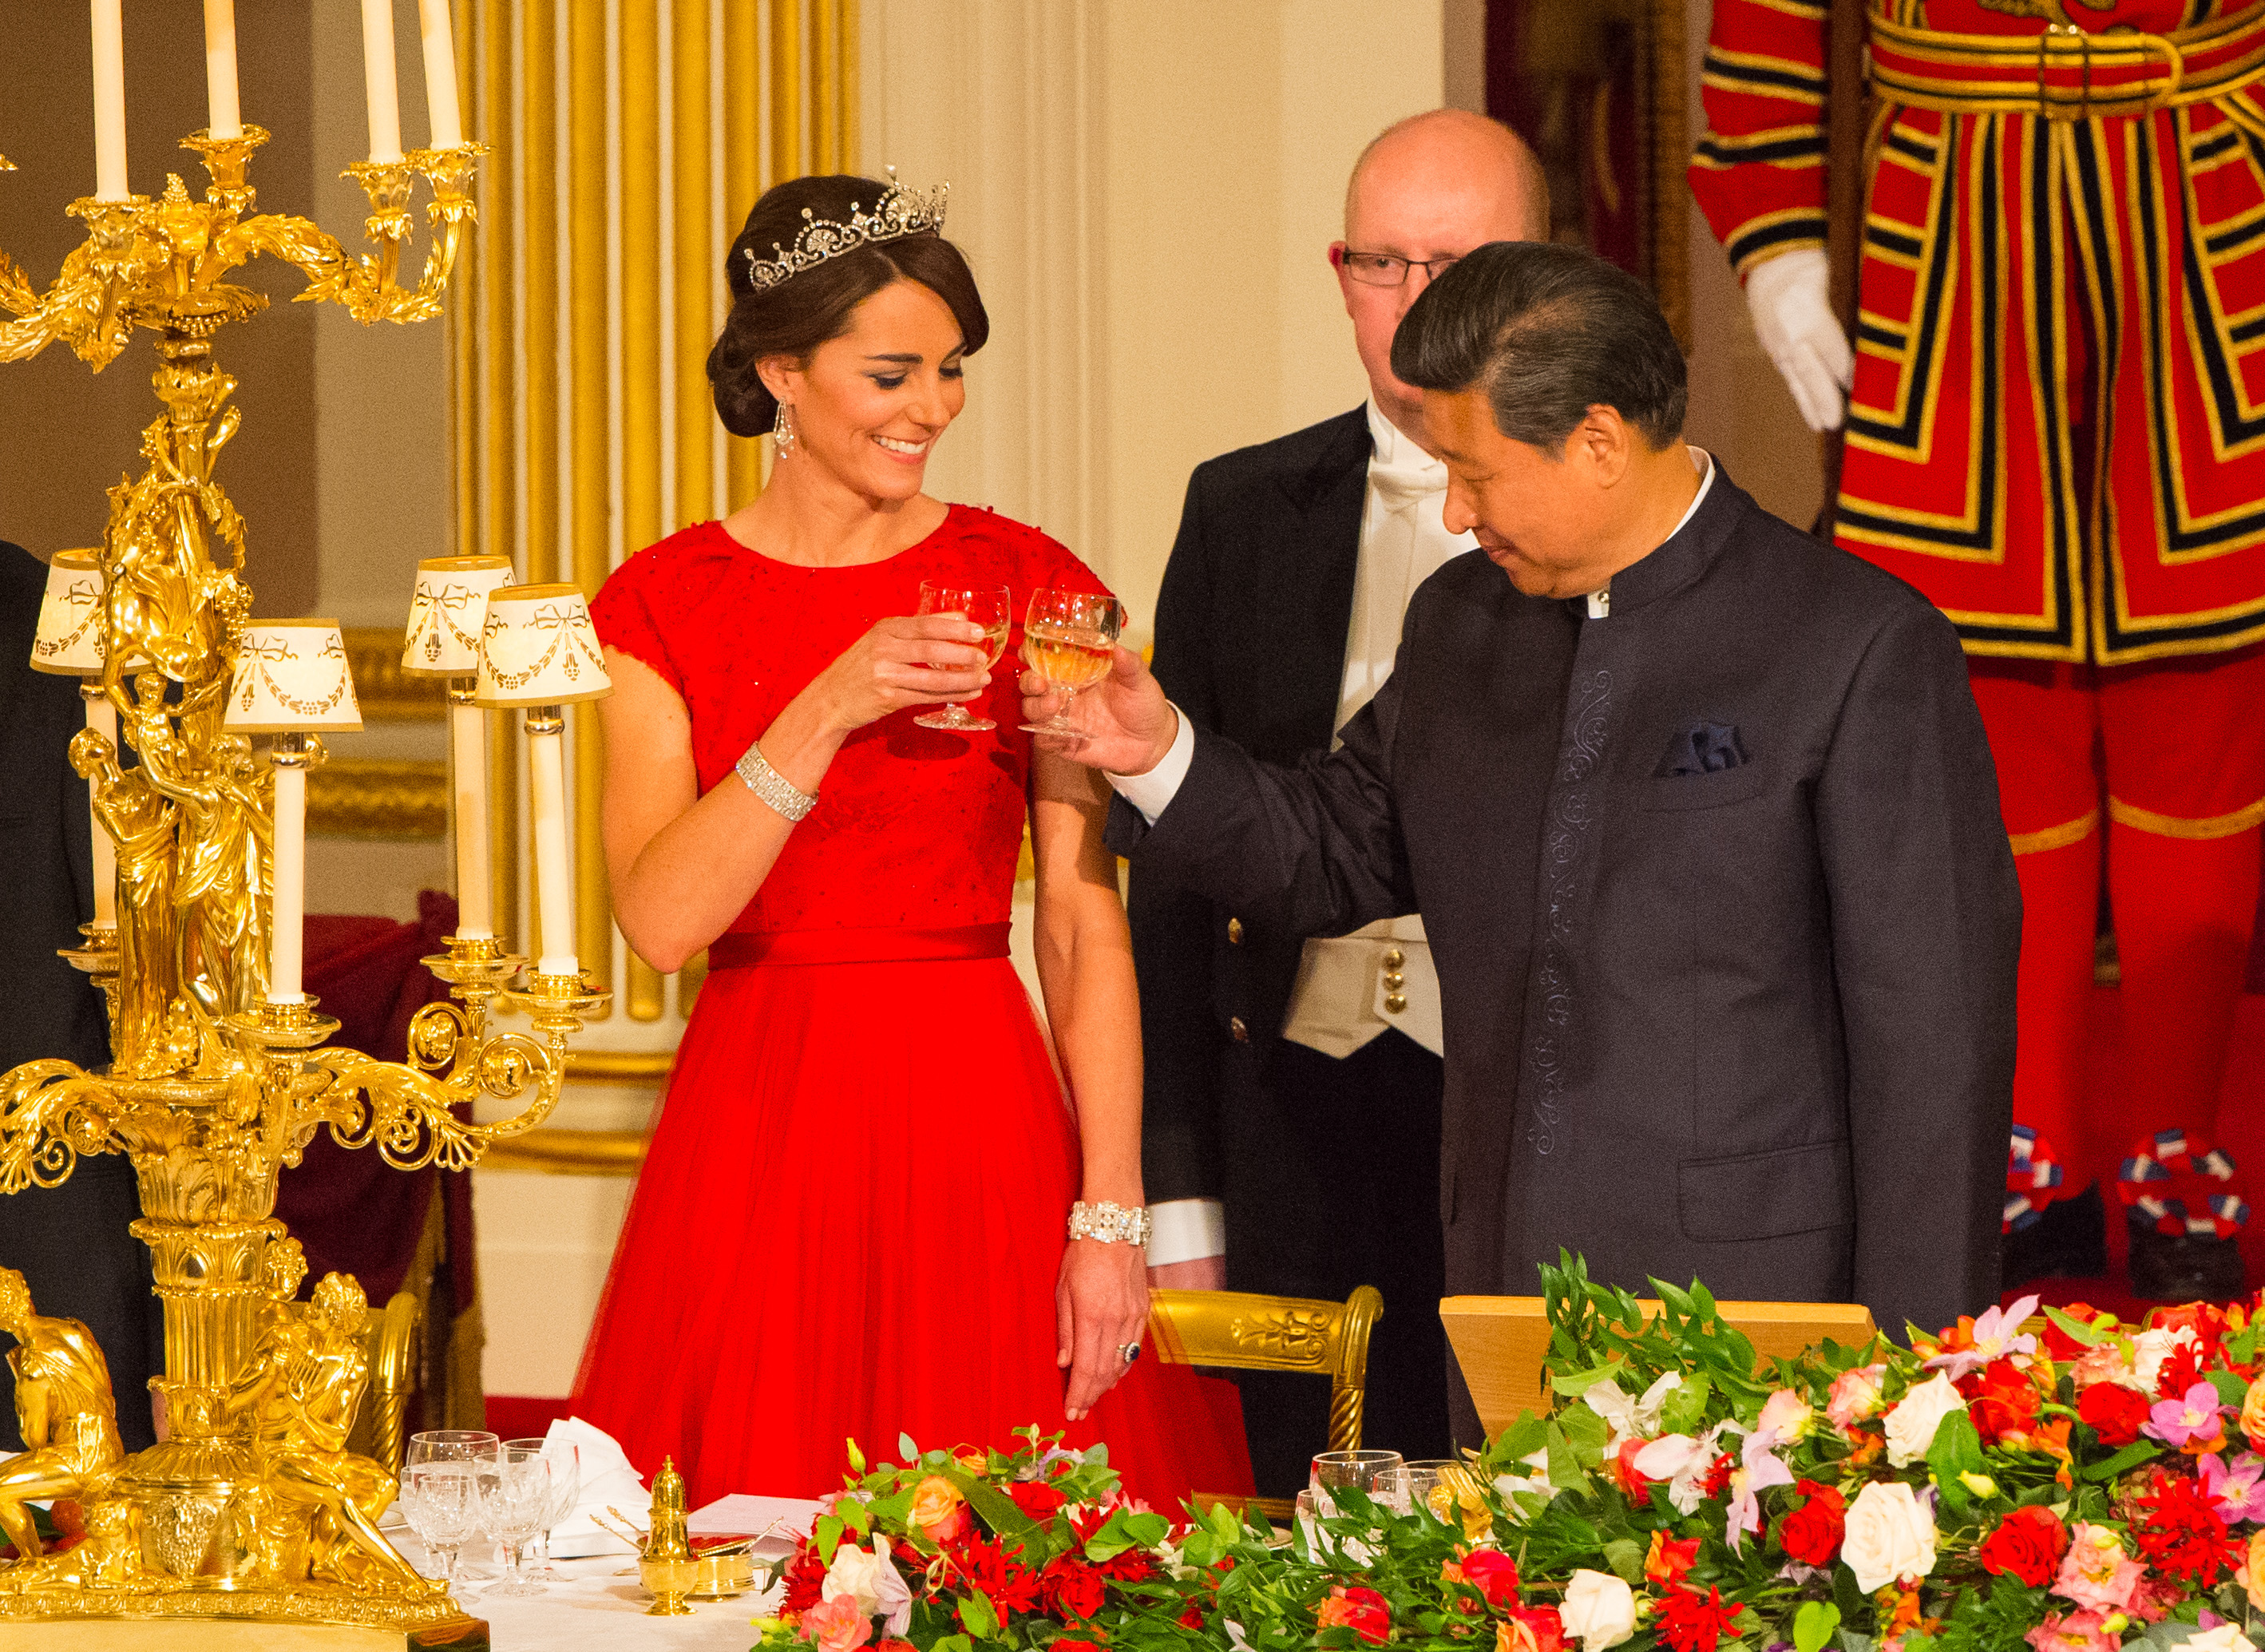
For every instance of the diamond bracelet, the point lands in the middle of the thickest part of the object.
(772, 787)
(1112, 1224)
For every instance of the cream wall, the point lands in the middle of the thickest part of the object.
(1147, 193)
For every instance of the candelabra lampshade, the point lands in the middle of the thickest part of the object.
(68, 641)
(446, 614)
(291, 677)
(539, 648)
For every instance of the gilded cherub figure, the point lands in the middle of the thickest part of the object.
(64, 1410)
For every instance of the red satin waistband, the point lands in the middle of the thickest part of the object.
(780, 947)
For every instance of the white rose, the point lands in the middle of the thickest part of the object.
(1891, 1534)
(2224, 1638)
(870, 1579)
(1916, 1417)
(1599, 1610)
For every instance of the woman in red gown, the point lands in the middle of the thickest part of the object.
(851, 1222)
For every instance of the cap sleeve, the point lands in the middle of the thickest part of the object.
(624, 615)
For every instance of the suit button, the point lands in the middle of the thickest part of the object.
(1393, 980)
(1394, 1003)
(1235, 932)
(1394, 959)
(1241, 1033)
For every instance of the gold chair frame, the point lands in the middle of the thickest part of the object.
(1243, 1330)
(389, 1338)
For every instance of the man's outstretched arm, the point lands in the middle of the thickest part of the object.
(1314, 850)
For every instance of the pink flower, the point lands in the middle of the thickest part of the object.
(1758, 1469)
(1993, 1339)
(2237, 1491)
(2097, 1573)
(2074, 1632)
(836, 1626)
(2198, 1417)
(1855, 1395)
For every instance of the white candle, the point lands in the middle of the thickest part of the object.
(290, 906)
(441, 73)
(547, 780)
(226, 118)
(102, 718)
(109, 102)
(378, 77)
(468, 751)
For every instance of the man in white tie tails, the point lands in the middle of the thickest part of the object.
(1292, 1122)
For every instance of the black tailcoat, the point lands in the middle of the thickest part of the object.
(70, 1243)
(1722, 904)
(1252, 624)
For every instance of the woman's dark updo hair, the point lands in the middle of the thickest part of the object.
(801, 313)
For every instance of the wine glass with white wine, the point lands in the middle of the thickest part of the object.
(990, 607)
(1069, 639)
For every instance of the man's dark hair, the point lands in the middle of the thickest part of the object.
(1548, 332)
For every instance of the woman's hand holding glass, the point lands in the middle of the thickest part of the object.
(983, 605)
(924, 660)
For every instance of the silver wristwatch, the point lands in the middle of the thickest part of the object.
(1111, 1224)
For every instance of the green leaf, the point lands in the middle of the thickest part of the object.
(1813, 1626)
(997, 1510)
(1625, 1556)
(2077, 1328)
(825, 1537)
(1573, 1384)
(953, 1643)
(1957, 1448)
(856, 1515)
(1684, 1408)
(2124, 1461)
(2231, 1390)
(977, 1612)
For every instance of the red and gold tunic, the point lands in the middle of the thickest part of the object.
(2057, 425)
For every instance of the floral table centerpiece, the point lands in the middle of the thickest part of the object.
(2056, 1481)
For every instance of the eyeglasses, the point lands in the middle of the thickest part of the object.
(1385, 269)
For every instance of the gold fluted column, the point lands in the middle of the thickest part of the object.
(552, 464)
(592, 425)
(743, 181)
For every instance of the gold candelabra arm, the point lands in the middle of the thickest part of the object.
(410, 1116)
(88, 306)
(52, 1113)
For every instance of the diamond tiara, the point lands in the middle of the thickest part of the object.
(900, 212)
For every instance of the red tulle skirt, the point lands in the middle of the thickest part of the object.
(850, 1226)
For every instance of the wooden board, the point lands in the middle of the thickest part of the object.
(1499, 1341)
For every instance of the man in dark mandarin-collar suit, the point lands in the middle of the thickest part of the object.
(1701, 821)
(1275, 1062)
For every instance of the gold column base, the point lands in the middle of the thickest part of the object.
(201, 1632)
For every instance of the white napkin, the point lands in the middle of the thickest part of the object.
(775, 1521)
(607, 1481)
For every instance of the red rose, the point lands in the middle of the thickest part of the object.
(1812, 1533)
(2003, 1402)
(1039, 1501)
(1070, 1589)
(1493, 1575)
(2028, 1544)
(1532, 1629)
(2113, 1412)
(1363, 1611)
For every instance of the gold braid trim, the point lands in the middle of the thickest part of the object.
(2171, 825)
(2056, 837)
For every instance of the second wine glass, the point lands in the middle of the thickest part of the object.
(988, 606)
(1069, 639)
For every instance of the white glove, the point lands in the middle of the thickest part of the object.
(1790, 297)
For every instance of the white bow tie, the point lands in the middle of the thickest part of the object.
(1399, 486)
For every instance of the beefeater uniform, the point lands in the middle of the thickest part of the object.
(2056, 431)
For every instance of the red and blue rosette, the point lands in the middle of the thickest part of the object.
(2180, 1186)
(2033, 1179)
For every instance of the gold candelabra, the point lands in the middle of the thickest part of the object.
(252, 1507)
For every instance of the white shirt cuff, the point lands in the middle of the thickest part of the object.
(1152, 793)
(1185, 1230)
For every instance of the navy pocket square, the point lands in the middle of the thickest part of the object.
(1703, 748)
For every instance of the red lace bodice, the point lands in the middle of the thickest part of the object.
(914, 828)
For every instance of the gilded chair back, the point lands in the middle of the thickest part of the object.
(1246, 1331)
(388, 1337)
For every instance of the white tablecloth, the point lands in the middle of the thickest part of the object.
(602, 1609)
